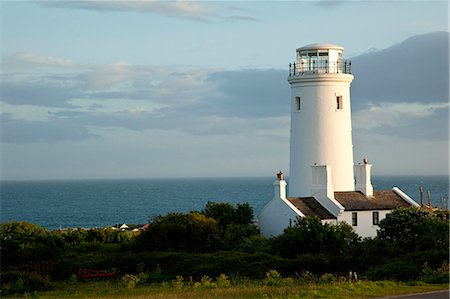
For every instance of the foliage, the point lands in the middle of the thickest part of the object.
(310, 235)
(408, 266)
(19, 282)
(219, 226)
(222, 242)
(23, 241)
(413, 229)
(130, 280)
(273, 278)
(225, 214)
(193, 232)
(223, 281)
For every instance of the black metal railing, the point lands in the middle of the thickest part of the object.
(322, 67)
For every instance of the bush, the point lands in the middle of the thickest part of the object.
(16, 282)
(130, 281)
(310, 236)
(412, 229)
(409, 266)
(273, 278)
(223, 281)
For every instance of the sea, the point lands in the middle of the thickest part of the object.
(62, 204)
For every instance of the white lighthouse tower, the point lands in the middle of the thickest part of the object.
(321, 131)
(321, 182)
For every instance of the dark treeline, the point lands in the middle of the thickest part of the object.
(411, 244)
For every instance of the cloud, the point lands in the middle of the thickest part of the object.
(37, 93)
(193, 10)
(30, 59)
(249, 102)
(407, 120)
(55, 130)
(168, 8)
(329, 3)
(414, 71)
(242, 18)
(248, 93)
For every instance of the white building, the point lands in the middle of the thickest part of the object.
(322, 174)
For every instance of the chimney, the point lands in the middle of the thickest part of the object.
(363, 178)
(322, 188)
(322, 180)
(279, 186)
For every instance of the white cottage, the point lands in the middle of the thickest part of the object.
(322, 174)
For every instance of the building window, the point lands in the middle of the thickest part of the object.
(297, 103)
(354, 219)
(375, 218)
(339, 102)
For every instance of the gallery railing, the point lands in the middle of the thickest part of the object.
(325, 67)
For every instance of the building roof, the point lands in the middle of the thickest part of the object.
(320, 46)
(309, 206)
(381, 200)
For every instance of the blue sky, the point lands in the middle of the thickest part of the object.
(109, 89)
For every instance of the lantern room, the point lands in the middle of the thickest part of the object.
(319, 59)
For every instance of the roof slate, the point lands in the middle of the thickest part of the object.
(381, 200)
(311, 207)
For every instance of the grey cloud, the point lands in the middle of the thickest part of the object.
(248, 93)
(241, 102)
(196, 11)
(242, 18)
(55, 130)
(432, 127)
(190, 10)
(415, 70)
(37, 94)
(329, 3)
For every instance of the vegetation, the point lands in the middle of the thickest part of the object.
(218, 248)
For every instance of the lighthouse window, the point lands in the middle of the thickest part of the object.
(354, 219)
(339, 102)
(297, 103)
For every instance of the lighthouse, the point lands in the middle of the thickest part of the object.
(323, 181)
(321, 130)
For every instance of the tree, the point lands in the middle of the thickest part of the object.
(226, 214)
(310, 236)
(193, 232)
(222, 212)
(411, 229)
(24, 241)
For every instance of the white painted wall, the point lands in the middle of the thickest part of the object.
(365, 228)
(320, 133)
(279, 213)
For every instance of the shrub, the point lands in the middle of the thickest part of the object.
(223, 281)
(207, 282)
(273, 278)
(17, 282)
(130, 280)
(178, 283)
(411, 229)
(327, 278)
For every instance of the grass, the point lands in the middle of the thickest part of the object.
(245, 289)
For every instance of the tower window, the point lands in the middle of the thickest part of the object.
(375, 218)
(354, 219)
(297, 103)
(339, 102)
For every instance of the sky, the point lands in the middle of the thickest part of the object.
(150, 89)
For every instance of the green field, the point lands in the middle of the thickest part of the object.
(244, 289)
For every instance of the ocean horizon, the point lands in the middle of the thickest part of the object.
(65, 203)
